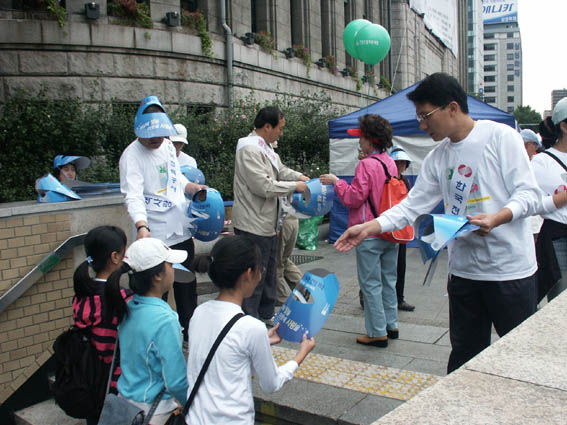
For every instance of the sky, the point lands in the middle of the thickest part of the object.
(544, 50)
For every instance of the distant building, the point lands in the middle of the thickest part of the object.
(502, 55)
(475, 41)
(556, 96)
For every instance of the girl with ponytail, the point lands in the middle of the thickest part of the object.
(235, 267)
(99, 303)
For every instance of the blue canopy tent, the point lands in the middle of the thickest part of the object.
(400, 111)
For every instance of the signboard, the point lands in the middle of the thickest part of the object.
(440, 16)
(499, 11)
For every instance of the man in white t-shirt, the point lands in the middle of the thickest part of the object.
(480, 170)
(154, 193)
(179, 142)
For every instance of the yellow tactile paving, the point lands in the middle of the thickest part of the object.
(367, 378)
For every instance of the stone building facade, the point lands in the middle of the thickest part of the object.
(100, 59)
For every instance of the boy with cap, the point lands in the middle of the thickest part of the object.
(179, 142)
(65, 167)
(480, 171)
(154, 188)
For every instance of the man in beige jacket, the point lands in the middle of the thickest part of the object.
(260, 179)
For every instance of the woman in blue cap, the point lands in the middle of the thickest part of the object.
(65, 167)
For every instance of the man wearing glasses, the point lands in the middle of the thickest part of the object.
(480, 170)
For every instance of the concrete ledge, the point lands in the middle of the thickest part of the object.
(520, 379)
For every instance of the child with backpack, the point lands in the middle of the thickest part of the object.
(97, 309)
(225, 394)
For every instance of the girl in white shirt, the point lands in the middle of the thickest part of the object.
(225, 395)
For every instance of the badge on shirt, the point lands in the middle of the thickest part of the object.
(308, 306)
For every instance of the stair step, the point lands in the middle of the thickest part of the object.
(45, 413)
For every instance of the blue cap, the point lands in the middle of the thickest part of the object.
(156, 124)
(194, 175)
(315, 201)
(50, 189)
(399, 154)
(79, 162)
(207, 208)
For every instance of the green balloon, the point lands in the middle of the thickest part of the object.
(372, 44)
(350, 32)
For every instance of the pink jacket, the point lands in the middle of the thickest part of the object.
(369, 179)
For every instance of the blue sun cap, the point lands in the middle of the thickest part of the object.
(315, 201)
(194, 175)
(50, 189)
(156, 124)
(207, 212)
(80, 162)
(399, 154)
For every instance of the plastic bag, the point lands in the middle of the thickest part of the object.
(308, 234)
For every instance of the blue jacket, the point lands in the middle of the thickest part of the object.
(151, 354)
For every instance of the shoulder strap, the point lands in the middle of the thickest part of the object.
(208, 361)
(557, 159)
(388, 177)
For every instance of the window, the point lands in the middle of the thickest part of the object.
(490, 99)
(261, 16)
(490, 89)
(327, 39)
(488, 36)
(510, 67)
(510, 56)
(510, 109)
(511, 99)
(510, 35)
(489, 68)
(510, 88)
(489, 47)
(488, 58)
(489, 78)
(510, 77)
(510, 46)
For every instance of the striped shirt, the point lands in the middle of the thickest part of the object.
(88, 313)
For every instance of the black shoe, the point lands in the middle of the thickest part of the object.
(393, 334)
(405, 306)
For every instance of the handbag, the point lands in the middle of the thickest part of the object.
(117, 410)
(395, 190)
(179, 419)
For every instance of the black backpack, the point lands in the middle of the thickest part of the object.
(80, 376)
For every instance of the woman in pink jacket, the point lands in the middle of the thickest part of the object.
(376, 258)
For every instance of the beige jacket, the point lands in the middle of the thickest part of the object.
(257, 186)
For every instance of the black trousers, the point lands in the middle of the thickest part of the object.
(262, 302)
(474, 306)
(185, 293)
(401, 281)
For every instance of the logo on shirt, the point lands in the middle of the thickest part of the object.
(560, 188)
(464, 170)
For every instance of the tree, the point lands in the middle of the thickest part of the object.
(527, 115)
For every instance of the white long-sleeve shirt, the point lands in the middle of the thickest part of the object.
(143, 180)
(504, 178)
(225, 395)
(551, 178)
(185, 159)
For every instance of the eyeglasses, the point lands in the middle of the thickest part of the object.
(422, 117)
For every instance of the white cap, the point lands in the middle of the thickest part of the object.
(146, 253)
(529, 136)
(559, 112)
(181, 134)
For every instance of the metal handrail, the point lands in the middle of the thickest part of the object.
(40, 270)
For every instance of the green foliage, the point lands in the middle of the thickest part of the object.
(303, 53)
(129, 12)
(264, 40)
(527, 115)
(58, 11)
(197, 21)
(34, 128)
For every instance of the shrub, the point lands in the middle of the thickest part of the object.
(35, 129)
